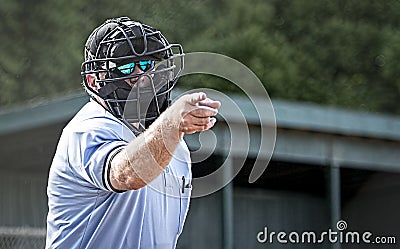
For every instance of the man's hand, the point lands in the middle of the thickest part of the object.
(145, 157)
(194, 112)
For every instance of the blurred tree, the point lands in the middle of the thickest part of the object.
(340, 53)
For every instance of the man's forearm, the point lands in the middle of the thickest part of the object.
(151, 153)
(144, 158)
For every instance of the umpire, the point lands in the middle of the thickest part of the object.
(121, 174)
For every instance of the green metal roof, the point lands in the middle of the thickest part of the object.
(333, 120)
(41, 113)
(289, 115)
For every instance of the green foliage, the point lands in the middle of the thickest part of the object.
(342, 53)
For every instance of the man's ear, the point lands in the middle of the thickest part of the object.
(91, 80)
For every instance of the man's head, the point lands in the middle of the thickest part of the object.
(132, 68)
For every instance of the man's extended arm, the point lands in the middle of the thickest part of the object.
(145, 157)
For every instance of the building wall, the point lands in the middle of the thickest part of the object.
(289, 196)
(254, 209)
(23, 199)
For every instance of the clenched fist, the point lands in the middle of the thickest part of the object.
(194, 112)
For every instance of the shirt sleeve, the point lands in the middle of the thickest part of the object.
(90, 154)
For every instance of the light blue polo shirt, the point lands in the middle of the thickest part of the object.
(84, 210)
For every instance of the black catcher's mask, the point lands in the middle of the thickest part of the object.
(113, 51)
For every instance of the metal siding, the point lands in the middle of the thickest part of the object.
(253, 210)
(23, 199)
(278, 211)
(203, 227)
